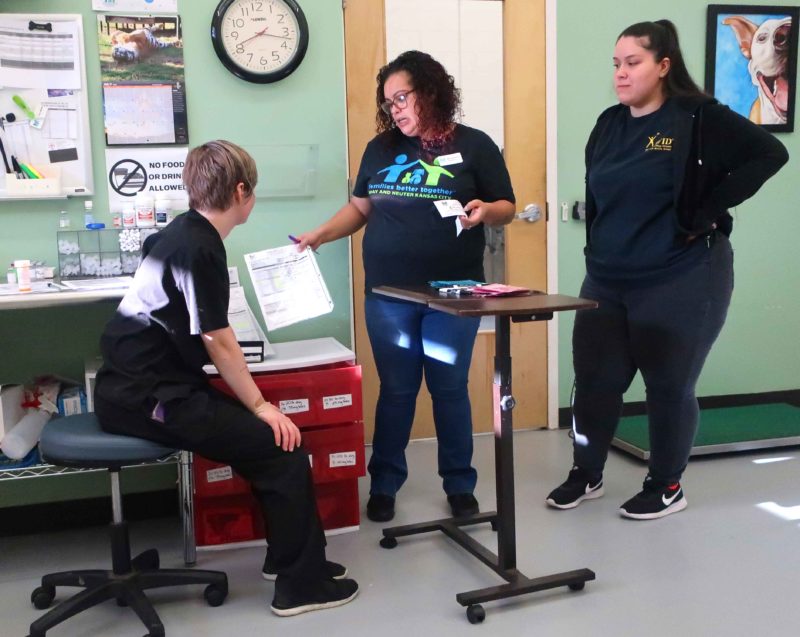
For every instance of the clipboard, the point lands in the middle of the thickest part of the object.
(59, 148)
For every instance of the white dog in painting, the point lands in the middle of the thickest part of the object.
(767, 48)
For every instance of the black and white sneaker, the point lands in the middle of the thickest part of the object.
(655, 500)
(580, 485)
(332, 593)
(332, 570)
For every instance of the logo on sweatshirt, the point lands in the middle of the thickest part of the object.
(658, 142)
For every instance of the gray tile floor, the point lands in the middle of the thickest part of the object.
(725, 566)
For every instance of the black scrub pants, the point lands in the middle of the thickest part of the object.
(665, 330)
(219, 428)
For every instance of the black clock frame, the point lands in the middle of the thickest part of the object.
(249, 76)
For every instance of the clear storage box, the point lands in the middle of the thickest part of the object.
(97, 253)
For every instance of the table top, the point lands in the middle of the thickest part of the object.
(535, 303)
(56, 297)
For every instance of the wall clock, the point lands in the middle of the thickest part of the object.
(260, 41)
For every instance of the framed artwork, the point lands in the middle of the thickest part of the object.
(751, 61)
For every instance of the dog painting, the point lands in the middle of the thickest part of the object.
(751, 61)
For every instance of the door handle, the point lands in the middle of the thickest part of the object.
(530, 213)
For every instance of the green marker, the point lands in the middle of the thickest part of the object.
(27, 171)
(25, 108)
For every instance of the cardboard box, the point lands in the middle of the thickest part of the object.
(11, 410)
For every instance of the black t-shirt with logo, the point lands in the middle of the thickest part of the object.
(407, 242)
(635, 235)
(152, 347)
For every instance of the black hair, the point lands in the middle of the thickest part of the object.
(661, 38)
(438, 100)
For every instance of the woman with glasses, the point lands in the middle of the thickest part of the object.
(421, 155)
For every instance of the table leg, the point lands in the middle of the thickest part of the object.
(504, 520)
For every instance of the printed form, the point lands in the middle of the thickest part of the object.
(288, 285)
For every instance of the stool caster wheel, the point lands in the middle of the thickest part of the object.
(577, 586)
(475, 614)
(43, 596)
(388, 542)
(494, 525)
(215, 594)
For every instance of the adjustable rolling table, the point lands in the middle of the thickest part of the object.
(533, 307)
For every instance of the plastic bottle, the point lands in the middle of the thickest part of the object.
(88, 215)
(23, 267)
(63, 220)
(116, 219)
(145, 212)
(128, 216)
(162, 209)
(18, 442)
(11, 275)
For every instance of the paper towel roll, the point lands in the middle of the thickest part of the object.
(18, 442)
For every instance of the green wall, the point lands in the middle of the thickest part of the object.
(307, 107)
(759, 348)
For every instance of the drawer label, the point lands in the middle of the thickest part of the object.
(219, 474)
(334, 402)
(293, 406)
(342, 459)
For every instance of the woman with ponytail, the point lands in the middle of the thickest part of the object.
(662, 169)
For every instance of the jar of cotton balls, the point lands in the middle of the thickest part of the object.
(130, 242)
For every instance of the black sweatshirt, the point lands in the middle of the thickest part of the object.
(728, 160)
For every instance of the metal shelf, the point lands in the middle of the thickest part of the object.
(44, 470)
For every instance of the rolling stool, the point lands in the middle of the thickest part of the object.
(78, 441)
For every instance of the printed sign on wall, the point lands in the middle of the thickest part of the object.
(156, 171)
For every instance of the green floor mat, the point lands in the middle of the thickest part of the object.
(723, 429)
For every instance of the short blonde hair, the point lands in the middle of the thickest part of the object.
(212, 172)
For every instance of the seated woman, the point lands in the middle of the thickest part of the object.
(172, 321)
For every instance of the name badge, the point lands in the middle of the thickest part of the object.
(449, 160)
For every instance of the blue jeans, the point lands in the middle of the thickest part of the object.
(665, 331)
(407, 339)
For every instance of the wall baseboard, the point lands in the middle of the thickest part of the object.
(791, 396)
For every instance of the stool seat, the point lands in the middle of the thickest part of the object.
(79, 441)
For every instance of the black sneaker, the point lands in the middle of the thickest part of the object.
(332, 570)
(655, 500)
(332, 593)
(463, 504)
(380, 507)
(580, 486)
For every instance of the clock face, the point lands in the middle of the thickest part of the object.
(260, 40)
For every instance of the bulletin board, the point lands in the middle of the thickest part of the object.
(43, 64)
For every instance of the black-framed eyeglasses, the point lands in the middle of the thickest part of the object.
(400, 101)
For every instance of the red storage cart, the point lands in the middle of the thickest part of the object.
(325, 402)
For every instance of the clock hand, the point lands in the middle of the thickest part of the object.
(272, 35)
(262, 32)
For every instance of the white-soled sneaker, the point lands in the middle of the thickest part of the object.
(333, 593)
(655, 500)
(580, 485)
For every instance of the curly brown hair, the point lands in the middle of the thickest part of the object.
(437, 98)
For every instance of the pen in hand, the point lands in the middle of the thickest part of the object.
(294, 239)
